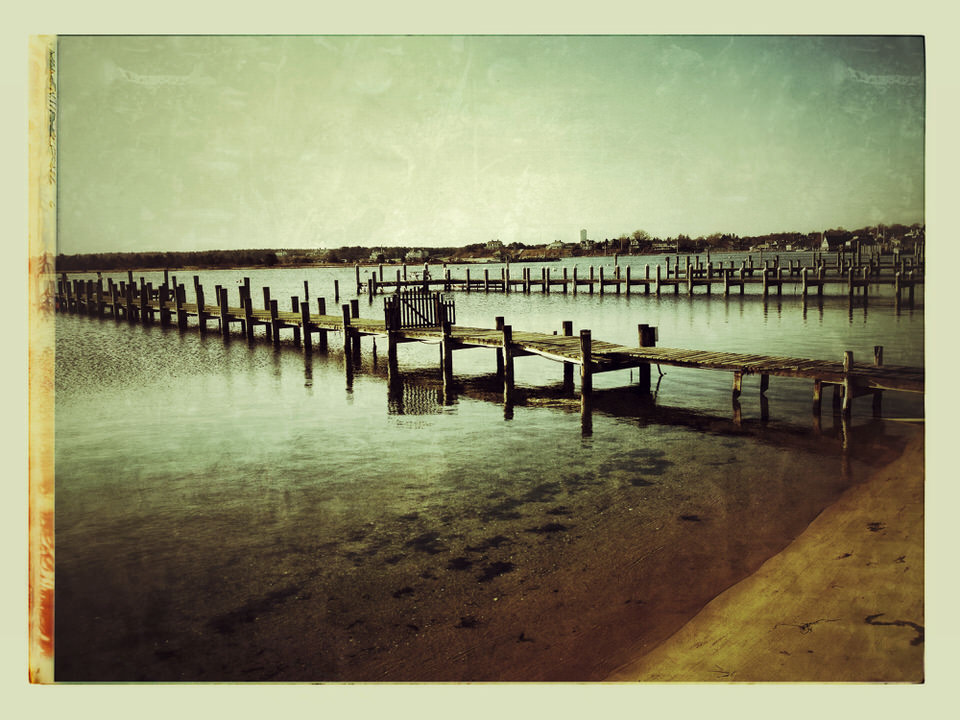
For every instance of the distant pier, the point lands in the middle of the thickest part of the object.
(851, 273)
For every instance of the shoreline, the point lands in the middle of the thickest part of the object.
(844, 602)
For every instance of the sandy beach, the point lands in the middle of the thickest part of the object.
(844, 602)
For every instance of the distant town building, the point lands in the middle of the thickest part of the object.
(583, 236)
(415, 256)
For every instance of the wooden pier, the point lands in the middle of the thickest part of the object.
(428, 317)
(769, 275)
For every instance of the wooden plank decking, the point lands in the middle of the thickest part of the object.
(592, 356)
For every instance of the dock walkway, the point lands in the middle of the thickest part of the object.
(127, 301)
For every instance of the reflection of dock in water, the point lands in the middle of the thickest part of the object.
(426, 393)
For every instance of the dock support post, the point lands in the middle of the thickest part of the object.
(305, 324)
(446, 346)
(356, 269)
(336, 291)
(586, 368)
(847, 382)
(817, 395)
(737, 384)
(803, 286)
(764, 384)
(274, 322)
(658, 280)
(486, 280)
(247, 302)
(114, 301)
(627, 281)
(295, 308)
(766, 290)
(498, 324)
(145, 310)
(347, 338)
(647, 337)
(878, 394)
(567, 366)
(321, 334)
(601, 279)
(164, 309)
(468, 279)
(507, 364)
(201, 306)
(222, 303)
(591, 279)
(574, 279)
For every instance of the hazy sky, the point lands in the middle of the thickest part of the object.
(179, 143)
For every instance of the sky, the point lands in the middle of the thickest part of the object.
(229, 142)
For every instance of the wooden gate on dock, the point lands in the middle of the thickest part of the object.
(417, 309)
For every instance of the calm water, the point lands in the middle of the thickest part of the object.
(229, 511)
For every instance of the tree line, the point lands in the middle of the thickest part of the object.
(638, 242)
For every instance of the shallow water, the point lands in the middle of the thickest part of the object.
(229, 511)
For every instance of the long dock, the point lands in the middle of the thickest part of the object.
(428, 317)
(676, 277)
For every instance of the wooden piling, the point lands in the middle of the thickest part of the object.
(498, 324)
(180, 297)
(345, 310)
(321, 334)
(274, 322)
(646, 337)
(222, 303)
(507, 360)
(248, 320)
(586, 366)
(114, 302)
(847, 382)
(446, 349)
(305, 324)
(567, 366)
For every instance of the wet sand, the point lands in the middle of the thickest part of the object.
(842, 603)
